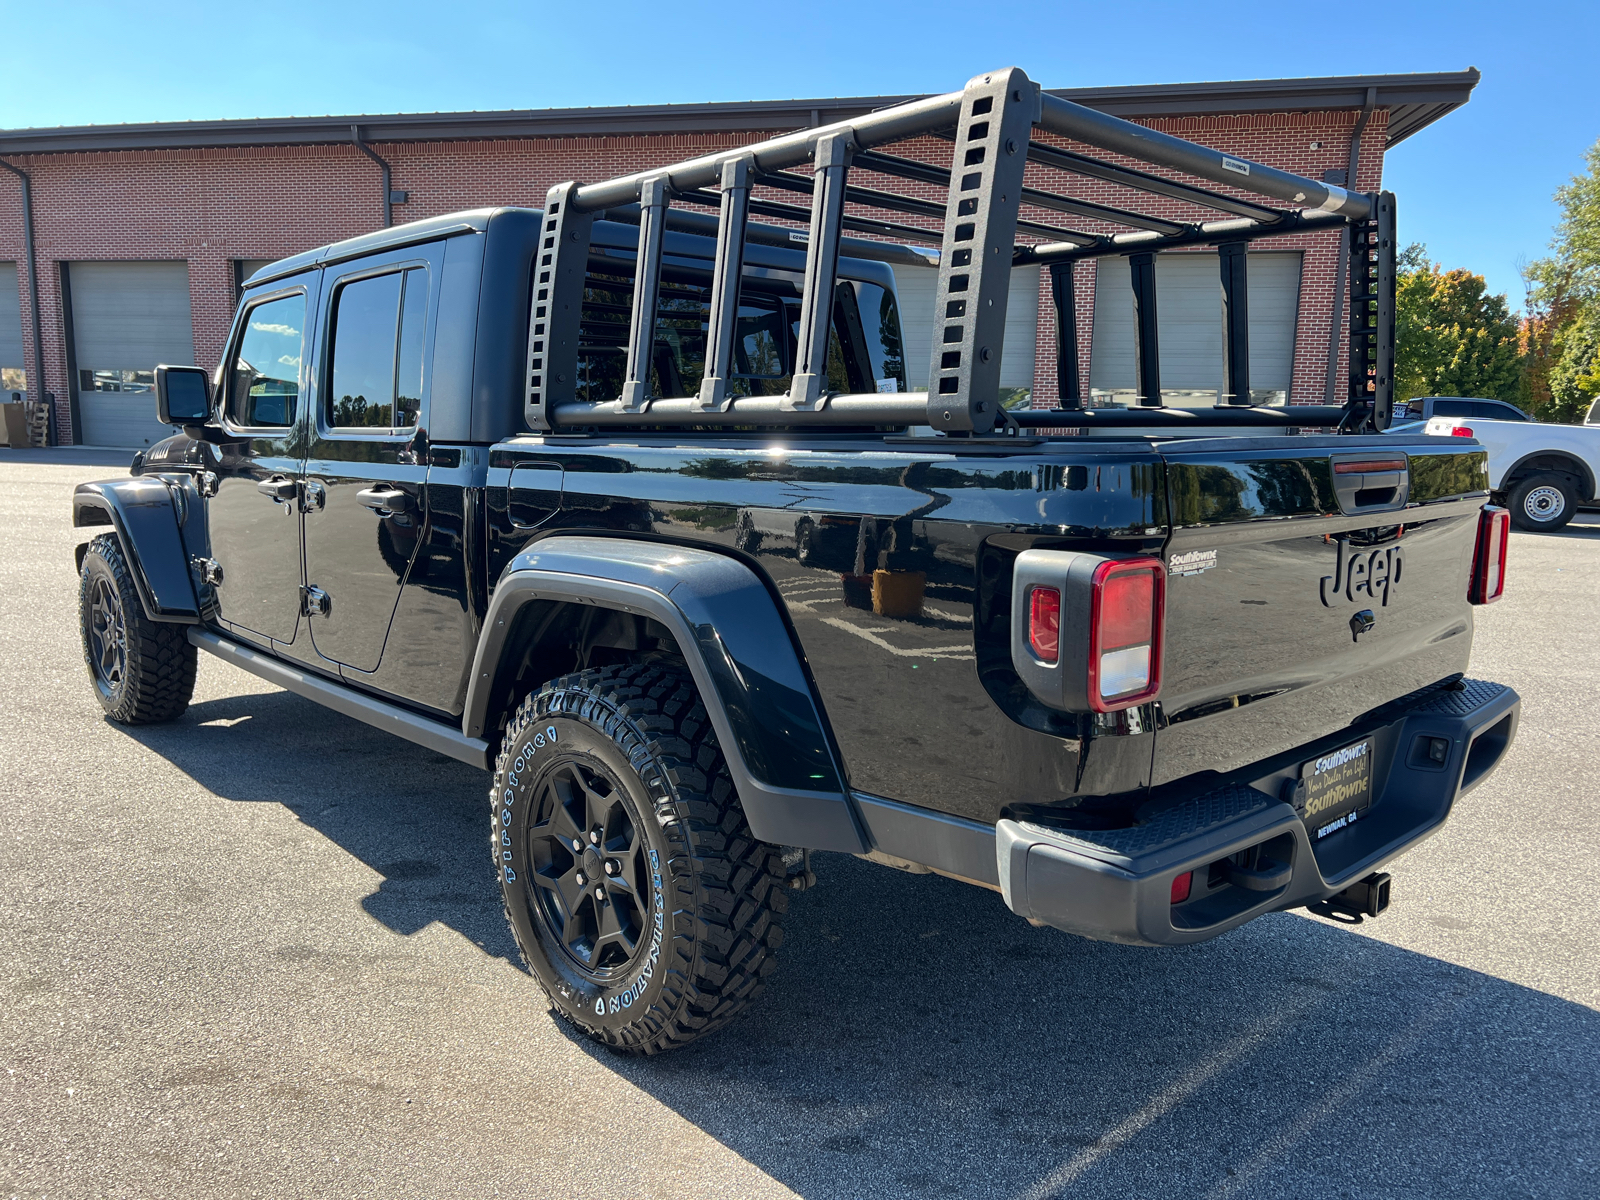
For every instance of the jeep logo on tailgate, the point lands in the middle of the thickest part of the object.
(1363, 575)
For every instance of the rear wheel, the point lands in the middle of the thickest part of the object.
(142, 670)
(631, 881)
(1542, 502)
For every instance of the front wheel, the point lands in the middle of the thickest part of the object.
(637, 894)
(1541, 503)
(142, 670)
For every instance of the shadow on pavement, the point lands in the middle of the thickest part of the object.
(418, 818)
(1589, 530)
(920, 1040)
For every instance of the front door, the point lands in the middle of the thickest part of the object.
(367, 466)
(254, 517)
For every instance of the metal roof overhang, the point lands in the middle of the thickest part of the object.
(1414, 101)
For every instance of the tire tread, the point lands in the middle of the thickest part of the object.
(730, 883)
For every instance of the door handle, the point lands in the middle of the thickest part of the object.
(279, 488)
(385, 501)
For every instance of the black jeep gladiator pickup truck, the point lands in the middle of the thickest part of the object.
(642, 510)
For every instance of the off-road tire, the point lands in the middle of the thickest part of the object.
(142, 670)
(637, 735)
(1541, 503)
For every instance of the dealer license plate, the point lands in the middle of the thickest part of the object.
(1338, 789)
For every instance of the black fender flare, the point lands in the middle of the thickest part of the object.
(147, 515)
(739, 650)
(1579, 468)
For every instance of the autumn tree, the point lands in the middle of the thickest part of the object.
(1452, 338)
(1561, 332)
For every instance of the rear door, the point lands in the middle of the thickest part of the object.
(367, 466)
(1273, 553)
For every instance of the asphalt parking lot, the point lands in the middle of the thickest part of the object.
(259, 952)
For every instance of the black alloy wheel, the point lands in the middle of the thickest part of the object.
(589, 876)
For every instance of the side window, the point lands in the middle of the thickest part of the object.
(379, 327)
(1453, 408)
(264, 378)
(1498, 412)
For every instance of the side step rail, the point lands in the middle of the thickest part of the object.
(390, 718)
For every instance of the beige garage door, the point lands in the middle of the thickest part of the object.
(126, 318)
(916, 287)
(1189, 322)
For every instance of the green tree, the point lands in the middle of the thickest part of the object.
(1452, 338)
(1561, 333)
(1575, 373)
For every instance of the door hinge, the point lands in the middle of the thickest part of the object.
(313, 496)
(314, 602)
(210, 571)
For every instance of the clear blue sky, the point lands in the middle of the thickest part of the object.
(1476, 187)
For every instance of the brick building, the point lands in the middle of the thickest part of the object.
(141, 234)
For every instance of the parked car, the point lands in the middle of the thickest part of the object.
(1424, 408)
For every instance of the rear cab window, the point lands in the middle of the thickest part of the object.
(379, 329)
(864, 353)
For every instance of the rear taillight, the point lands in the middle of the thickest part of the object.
(1044, 623)
(1126, 615)
(1461, 431)
(1488, 582)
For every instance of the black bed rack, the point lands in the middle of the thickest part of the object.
(991, 124)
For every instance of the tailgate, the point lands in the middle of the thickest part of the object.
(1273, 552)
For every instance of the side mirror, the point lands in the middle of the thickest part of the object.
(183, 395)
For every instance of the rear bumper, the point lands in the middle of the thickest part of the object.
(1116, 885)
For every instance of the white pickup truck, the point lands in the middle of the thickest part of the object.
(1542, 472)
